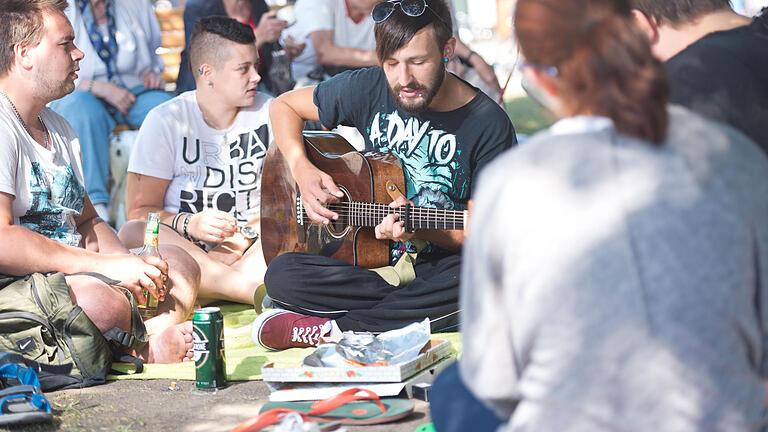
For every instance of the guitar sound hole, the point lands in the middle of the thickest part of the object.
(340, 227)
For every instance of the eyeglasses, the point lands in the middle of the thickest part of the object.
(412, 8)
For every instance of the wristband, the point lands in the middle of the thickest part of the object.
(90, 86)
(176, 221)
(184, 227)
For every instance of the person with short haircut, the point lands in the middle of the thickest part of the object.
(716, 59)
(47, 221)
(267, 29)
(443, 130)
(616, 270)
(198, 160)
(119, 80)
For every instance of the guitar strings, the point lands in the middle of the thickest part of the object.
(370, 214)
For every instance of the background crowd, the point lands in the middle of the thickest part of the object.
(299, 44)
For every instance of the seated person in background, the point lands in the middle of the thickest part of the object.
(266, 28)
(119, 80)
(444, 132)
(47, 222)
(338, 34)
(466, 58)
(198, 161)
(616, 264)
(468, 61)
(716, 59)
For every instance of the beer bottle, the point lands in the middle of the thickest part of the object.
(151, 239)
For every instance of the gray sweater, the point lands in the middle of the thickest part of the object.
(612, 285)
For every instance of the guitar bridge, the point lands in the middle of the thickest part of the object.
(299, 211)
(300, 231)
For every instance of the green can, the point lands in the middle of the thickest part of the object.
(208, 334)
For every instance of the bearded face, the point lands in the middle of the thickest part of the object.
(416, 96)
(415, 72)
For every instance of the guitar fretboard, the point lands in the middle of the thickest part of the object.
(364, 214)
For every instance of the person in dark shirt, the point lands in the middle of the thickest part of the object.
(716, 59)
(442, 129)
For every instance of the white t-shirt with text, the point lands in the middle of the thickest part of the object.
(207, 168)
(47, 184)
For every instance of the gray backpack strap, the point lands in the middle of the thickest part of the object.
(138, 330)
(135, 340)
(123, 339)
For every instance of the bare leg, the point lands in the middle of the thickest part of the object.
(217, 281)
(108, 307)
(184, 280)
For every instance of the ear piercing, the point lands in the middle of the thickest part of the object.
(445, 59)
(210, 84)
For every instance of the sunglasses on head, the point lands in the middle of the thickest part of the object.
(412, 8)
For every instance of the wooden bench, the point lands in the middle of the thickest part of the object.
(172, 27)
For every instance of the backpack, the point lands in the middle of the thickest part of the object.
(40, 322)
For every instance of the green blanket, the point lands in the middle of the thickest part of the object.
(244, 358)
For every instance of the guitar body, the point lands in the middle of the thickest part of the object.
(362, 176)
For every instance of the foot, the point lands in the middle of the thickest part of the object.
(172, 345)
(278, 329)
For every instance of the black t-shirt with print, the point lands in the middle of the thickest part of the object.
(441, 152)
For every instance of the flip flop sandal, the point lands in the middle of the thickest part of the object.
(23, 404)
(349, 407)
(274, 416)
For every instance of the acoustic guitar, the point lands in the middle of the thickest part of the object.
(369, 180)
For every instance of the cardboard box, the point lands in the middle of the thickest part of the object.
(434, 351)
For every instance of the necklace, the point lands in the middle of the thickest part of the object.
(18, 116)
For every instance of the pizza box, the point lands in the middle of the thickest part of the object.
(432, 352)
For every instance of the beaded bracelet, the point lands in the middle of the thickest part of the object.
(90, 86)
(176, 221)
(184, 227)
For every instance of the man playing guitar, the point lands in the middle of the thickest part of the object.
(442, 129)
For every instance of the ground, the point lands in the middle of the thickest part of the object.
(149, 405)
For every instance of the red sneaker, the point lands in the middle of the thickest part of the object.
(278, 329)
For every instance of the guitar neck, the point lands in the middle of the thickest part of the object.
(364, 214)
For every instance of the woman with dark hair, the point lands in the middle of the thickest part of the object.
(615, 268)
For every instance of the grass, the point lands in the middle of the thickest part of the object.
(527, 116)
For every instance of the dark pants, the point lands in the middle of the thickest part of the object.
(359, 299)
(454, 408)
